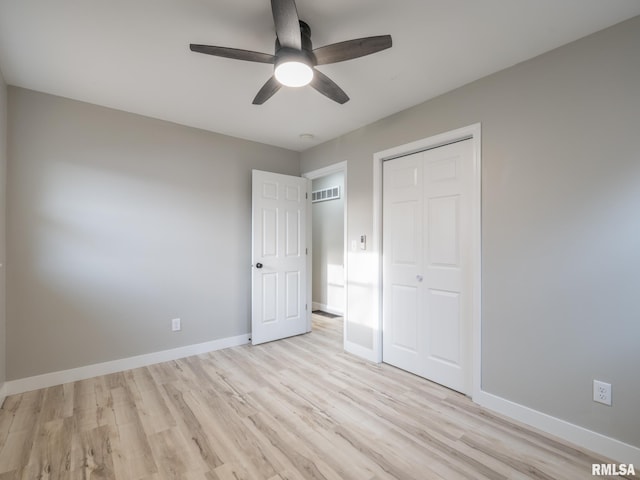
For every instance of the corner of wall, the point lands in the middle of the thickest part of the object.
(3, 203)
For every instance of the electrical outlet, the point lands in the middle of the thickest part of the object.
(175, 325)
(602, 392)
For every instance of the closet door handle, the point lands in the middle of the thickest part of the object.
(419, 277)
(258, 265)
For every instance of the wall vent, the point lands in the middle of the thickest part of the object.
(331, 193)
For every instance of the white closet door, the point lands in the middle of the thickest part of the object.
(402, 303)
(427, 246)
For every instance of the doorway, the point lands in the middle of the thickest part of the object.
(327, 234)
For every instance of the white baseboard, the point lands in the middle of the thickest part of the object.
(614, 449)
(326, 308)
(22, 385)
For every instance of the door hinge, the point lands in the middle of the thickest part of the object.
(305, 306)
(306, 251)
(306, 196)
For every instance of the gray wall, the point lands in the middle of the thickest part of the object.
(117, 224)
(3, 235)
(560, 230)
(328, 246)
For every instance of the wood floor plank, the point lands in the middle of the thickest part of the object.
(53, 404)
(142, 378)
(303, 459)
(295, 409)
(174, 457)
(289, 417)
(28, 411)
(193, 427)
(16, 450)
(92, 453)
(51, 452)
(22, 432)
(92, 404)
(132, 452)
(165, 372)
(224, 388)
(132, 455)
(246, 447)
(7, 415)
(226, 435)
(153, 411)
(430, 437)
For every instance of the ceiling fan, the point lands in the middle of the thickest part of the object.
(295, 59)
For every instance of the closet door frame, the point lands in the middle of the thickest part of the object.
(472, 132)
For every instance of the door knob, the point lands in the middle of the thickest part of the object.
(419, 278)
(258, 265)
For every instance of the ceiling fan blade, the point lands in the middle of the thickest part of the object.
(267, 91)
(285, 17)
(328, 87)
(339, 52)
(235, 53)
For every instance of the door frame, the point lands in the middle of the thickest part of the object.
(472, 132)
(312, 175)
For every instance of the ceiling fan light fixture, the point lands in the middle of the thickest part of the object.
(295, 58)
(293, 73)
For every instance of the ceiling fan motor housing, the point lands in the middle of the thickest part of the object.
(305, 55)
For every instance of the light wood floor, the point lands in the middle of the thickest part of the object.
(292, 409)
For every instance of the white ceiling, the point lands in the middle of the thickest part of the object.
(133, 55)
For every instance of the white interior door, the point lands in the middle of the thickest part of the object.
(279, 265)
(427, 277)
